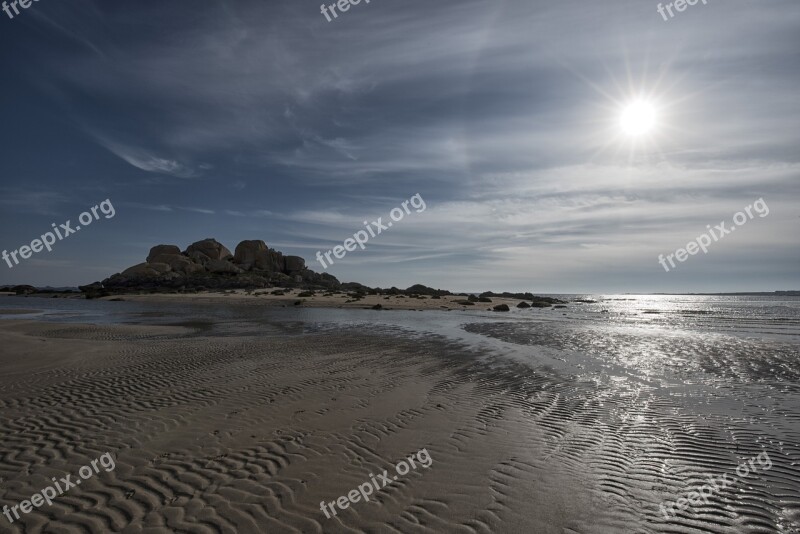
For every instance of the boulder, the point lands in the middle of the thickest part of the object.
(501, 308)
(294, 264)
(146, 270)
(253, 254)
(160, 268)
(162, 249)
(208, 248)
(222, 266)
(178, 262)
(276, 261)
(523, 304)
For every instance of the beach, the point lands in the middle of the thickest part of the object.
(219, 423)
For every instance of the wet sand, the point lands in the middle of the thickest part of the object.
(250, 434)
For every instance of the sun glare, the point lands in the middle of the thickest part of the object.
(638, 118)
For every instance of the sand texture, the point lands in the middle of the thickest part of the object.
(249, 433)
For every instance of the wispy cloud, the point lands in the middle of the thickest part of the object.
(39, 202)
(150, 162)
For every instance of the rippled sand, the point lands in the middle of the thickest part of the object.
(248, 433)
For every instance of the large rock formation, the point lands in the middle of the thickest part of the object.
(252, 255)
(162, 249)
(207, 250)
(208, 264)
(294, 264)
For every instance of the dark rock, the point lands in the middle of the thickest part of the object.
(177, 262)
(522, 296)
(523, 304)
(501, 308)
(209, 248)
(425, 290)
(93, 291)
(354, 287)
(147, 270)
(253, 254)
(22, 289)
(294, 264)
(222, 266)
(162, 249)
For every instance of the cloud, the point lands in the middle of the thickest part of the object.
(38, 202)
(149, 162)
(197, 210)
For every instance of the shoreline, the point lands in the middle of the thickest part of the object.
(339, 299)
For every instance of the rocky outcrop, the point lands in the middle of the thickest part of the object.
(522, 296)
(178, 263)
(21, 289)
(294, 264)
(207, 250)
(222, 266)
(147, 270)
(209, 265)
(419, 289)
(158, 250)
(252, 255)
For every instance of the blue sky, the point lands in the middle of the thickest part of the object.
(261, 120)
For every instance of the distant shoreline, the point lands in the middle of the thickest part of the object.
(74, 292)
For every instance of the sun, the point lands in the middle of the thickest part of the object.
(638, 118)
